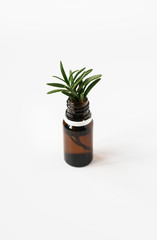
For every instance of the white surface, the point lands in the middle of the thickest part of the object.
(115, 197)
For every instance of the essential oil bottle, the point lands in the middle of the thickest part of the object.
(78, 134)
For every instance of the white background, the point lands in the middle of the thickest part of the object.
(115, 197)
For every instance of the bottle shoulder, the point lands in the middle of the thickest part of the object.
(77, 128)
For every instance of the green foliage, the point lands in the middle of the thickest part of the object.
(76, 87)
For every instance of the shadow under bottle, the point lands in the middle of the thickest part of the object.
(78, 134)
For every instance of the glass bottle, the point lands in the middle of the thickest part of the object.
(78, 134)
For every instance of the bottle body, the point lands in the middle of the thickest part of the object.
(78, 144)
(78, 135)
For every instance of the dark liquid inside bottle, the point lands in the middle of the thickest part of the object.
(78, 140)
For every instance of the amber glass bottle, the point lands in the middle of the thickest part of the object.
(78, 134)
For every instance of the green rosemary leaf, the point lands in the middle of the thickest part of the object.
(59, 78)
(56, 90)
(88, 80)
(56, 85)
(63, 73)
(71, 78)
(68, 94)
(81, 78)
(73, 92)
(81, 97)
(90, 87)
(63, 86)
(79, 73)
(78, 81)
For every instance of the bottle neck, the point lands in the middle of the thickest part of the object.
(78, 111)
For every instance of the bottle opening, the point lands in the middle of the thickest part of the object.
(78, 111)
